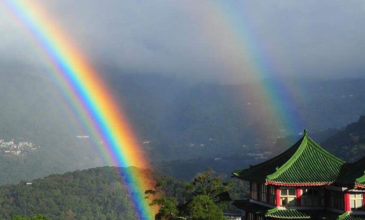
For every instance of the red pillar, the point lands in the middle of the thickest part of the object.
(277, 194)
(299, 197)
(347, 202)
(363, 201)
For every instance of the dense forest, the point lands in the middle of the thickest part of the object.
(91, 194)
(96, 193)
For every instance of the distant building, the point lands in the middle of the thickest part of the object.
(304, 182)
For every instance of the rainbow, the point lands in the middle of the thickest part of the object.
(228, 25)
(106, 121)
(90, 96)
(275, 93)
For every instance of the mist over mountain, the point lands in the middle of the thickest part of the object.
(187, 120)
(349, 142)
(34, 115)
(173, 119)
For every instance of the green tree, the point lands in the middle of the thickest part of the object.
(204, 199)
(212, 185)
(203, 208)
(167, 205)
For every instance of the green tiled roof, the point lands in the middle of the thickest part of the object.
(279, 213)
(348, 216)
(353, 174)
(304, 163)
(287, 214)
(272, 213)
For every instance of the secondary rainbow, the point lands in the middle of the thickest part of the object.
(276, 91)
(90, 96)
(276, 94)
(229, 21)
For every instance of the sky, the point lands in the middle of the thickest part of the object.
(203, 39)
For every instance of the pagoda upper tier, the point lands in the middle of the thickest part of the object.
(306, 163)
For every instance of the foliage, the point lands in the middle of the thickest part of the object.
(167, 208)
(203, 208)
(204, 198)
(167, 204)
(210, 184)
(86, 195)
(36, 217)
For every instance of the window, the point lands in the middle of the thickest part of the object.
(254, 191)
(259, 218)
(336, 200)
(272, 195)
(313, 197)
(263, 192)
(288, 197)
(356, 201)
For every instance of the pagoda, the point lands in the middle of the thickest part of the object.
(304, 182)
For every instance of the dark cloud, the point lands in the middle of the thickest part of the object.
(186, 38)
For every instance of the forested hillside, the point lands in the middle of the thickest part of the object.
(90, 194)
(97, 193)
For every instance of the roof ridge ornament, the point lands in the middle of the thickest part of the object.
(305, 132)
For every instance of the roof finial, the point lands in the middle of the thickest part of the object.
(305, 132)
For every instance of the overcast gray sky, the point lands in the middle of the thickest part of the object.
(204, 38)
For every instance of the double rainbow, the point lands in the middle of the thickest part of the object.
(90, 96)
(106, 120)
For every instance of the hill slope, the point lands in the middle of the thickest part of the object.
(33, 111)
(349, 143)
(89, 194)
